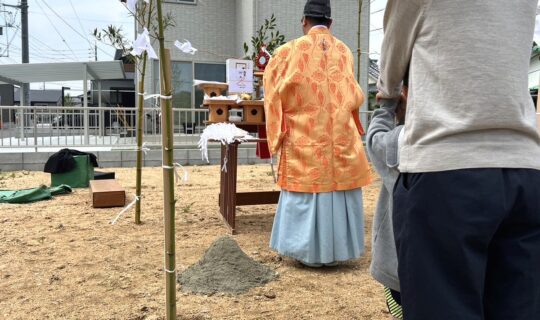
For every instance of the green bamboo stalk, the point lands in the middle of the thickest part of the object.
(359, 50)
(168, 173)
(140, 131)
(139, 144)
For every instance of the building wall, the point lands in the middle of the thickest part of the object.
(219, 28)
(289, 14)
(245, 24)
(6, 99)
(209, 25)
(6, 94)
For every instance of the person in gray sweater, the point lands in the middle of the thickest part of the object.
(467, 200)
(382, 146)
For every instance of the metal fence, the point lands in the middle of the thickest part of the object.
(46, 126)
(38, 126)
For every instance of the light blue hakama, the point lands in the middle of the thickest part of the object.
(319, 227)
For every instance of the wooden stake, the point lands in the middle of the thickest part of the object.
(168, 170)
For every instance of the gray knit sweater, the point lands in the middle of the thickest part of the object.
(382, 148)
(469, 104)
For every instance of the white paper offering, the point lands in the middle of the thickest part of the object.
(143, 44)
(185, 47)
(226, 133)
(240, 76)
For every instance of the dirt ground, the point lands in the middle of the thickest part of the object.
(61, 259)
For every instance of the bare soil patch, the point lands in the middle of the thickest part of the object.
(61, 259)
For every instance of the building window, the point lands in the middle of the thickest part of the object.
(183, 74)
(122, 97)
(182, 77)
(208, 72)
(185, 96)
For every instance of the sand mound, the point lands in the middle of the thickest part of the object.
(225, 268)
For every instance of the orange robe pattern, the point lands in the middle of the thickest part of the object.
(311, 106)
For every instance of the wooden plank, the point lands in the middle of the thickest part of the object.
(256, 198)
(238, 124)
(220, 102)
(107, 194)
(227, 200)
(226, 223)
(259, 103)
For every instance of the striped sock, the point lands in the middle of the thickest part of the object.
(393, 306)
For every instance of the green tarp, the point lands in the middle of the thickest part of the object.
(32, 195)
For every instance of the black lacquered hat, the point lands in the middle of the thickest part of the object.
(318, 9)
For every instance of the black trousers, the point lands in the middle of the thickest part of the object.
(468, 244)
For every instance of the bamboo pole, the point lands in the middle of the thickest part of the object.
(168, 171)
(139, 145)
(359, 50)
(140, 131)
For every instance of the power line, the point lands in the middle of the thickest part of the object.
(44, 44)
(79, 19)
(86, 19)
(9, 43)
(35, 55)
(71, 27)
(37, 51)
(58, 32)
(62, 51)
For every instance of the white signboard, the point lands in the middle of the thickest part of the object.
(240, 76)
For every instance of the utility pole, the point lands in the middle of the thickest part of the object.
(358, 50)
(95, 51)
(363, 59)
(25, 88)
(24, 47)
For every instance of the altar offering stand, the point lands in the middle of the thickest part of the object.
(229, 198)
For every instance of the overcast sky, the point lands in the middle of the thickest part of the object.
(60, 31)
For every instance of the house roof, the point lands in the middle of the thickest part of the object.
(62, 71)
(374, 71)
(52, 96)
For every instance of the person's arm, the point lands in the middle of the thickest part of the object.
(358, 97)
(275, 124)
(382, 137)
(402, 21)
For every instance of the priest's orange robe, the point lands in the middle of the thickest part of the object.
(311, 105)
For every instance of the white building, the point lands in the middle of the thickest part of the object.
(219, 28)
